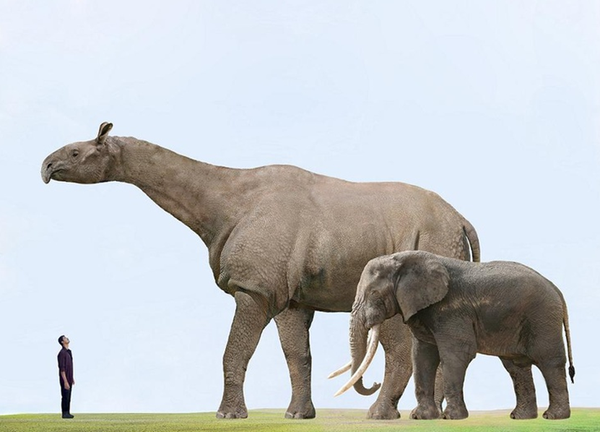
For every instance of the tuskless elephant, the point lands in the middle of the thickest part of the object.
(456, 309)
(284, 242)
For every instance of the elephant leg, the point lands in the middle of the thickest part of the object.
(426, 360)
(556, 381)
(454, 367)
(248, 323)
(439, 388)
(396, 339)
(524, 389)
(293, 325)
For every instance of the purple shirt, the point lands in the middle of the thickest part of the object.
(65, 364)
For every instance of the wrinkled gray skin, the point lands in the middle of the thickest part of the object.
(456, 309)
(284, 242)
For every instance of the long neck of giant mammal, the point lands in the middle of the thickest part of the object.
(196, 193)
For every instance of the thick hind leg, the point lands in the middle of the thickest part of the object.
(524, 389)
(547, 352)
(556, 381)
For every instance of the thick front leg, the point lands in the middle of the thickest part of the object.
(248, 323)
(293, 325)
(524, 390)
(426, 360)
(396, 339)
(455, 358)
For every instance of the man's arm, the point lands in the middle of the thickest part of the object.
(63, 375)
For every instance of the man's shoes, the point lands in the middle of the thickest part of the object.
(67, 416)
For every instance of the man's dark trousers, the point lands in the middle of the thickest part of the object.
(66, 400)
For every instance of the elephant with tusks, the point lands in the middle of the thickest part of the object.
(456, 309)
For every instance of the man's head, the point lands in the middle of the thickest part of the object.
(64, 341)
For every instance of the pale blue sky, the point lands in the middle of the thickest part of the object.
(494, 105)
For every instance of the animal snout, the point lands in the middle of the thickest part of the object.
(48, 167)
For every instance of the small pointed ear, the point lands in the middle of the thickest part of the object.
(422, 280)
(103, 132)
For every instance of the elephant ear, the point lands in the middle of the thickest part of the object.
(103, 132)
(422, 280)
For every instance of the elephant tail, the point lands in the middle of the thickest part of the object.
(568, 337)
(471, 235)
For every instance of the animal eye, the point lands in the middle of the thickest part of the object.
(75, 153)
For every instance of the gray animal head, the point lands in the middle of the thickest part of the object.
(81, 162)
(421, 280)
(375, 294)
(404, 282)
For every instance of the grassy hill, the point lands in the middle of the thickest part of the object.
(582, 419)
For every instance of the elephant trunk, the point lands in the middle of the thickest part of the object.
(358, 349)
(362, 353)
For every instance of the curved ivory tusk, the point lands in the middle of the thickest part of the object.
(371, 349)
(348, 365)
(341, 370)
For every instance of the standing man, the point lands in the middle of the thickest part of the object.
(65, 371)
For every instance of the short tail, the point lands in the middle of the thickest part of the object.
(471, 235)
(568, 337)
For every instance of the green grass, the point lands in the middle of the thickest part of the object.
(582, 419)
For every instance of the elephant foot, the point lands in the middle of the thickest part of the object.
(301, 412)
(455, 413)
(524, 413)
(383, 411)
(557, 413)
(421, 412)
(227, 411)
(232, 415)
